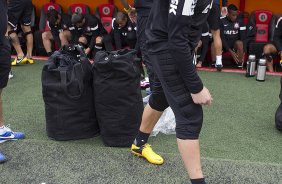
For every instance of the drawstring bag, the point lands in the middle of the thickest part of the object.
(67, 88)
(118, 99)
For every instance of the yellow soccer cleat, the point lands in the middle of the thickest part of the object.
(18, 60)
(28, 60)
(147, 152)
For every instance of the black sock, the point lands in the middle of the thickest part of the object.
(98, 47)
(198, 181)
(49, 54)
(141, 138)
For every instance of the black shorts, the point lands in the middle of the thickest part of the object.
(19, 11)
(214, 17)
(188, 115)
(5, 62)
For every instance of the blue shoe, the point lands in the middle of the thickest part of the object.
(10, 135)
(2, 158)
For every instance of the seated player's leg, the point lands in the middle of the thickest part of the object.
(29, 42)
(84, 41)
(47, 38)
(108, 41)
(199, 63)
(239, 47)
(268, 51)
(12, 34)
(98, 46)
(26, 27)
(131, 39)
(65, 37)
(213, 21)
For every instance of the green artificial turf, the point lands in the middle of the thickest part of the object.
(239, 142)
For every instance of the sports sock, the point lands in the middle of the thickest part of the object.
(2, 130)
(198, 181)
(98, 47)
(141, 138)
(219, 60)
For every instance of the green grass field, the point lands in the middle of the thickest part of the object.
(239, 142)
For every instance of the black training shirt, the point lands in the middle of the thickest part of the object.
(231, 31)
(176, 26)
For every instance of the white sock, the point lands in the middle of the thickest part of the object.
(219, 60)
(2, 130)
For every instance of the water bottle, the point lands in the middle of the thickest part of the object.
(251, 66)
(261, 71)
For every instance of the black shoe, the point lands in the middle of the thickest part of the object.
(218, 67)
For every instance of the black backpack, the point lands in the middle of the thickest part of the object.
(118, 99)
(67, 90)
(278, 114)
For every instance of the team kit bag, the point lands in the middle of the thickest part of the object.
(67, 88)
(118, 99)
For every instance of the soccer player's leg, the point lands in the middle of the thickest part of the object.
(5, 132)
(47, 38)
(152, 113)
(14, 15)
(26, 27)
(268, 51)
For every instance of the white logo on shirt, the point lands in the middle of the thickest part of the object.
(173, 6)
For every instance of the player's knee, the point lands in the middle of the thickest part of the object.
(44, 36)
(189, 127)
(158, 102)
(99, 40)
(267, 49)
(82, 40)
(62, 36)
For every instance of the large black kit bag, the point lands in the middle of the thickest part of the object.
(278, 114)
(67, 88)
(118, 99)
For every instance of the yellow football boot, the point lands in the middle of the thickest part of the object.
(28, 61)
(18, 60)
(147, 152)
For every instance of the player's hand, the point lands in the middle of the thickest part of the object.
(87, 51)
(133, 15)
(203, 97)
(223, 11)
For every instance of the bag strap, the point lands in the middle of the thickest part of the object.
(76, 76)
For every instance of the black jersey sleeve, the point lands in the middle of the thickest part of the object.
(278, 34)
(243, 29)
(185, 21)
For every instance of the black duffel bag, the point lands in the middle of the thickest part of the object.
(278, 114)
(118, 99)
(67, 88)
